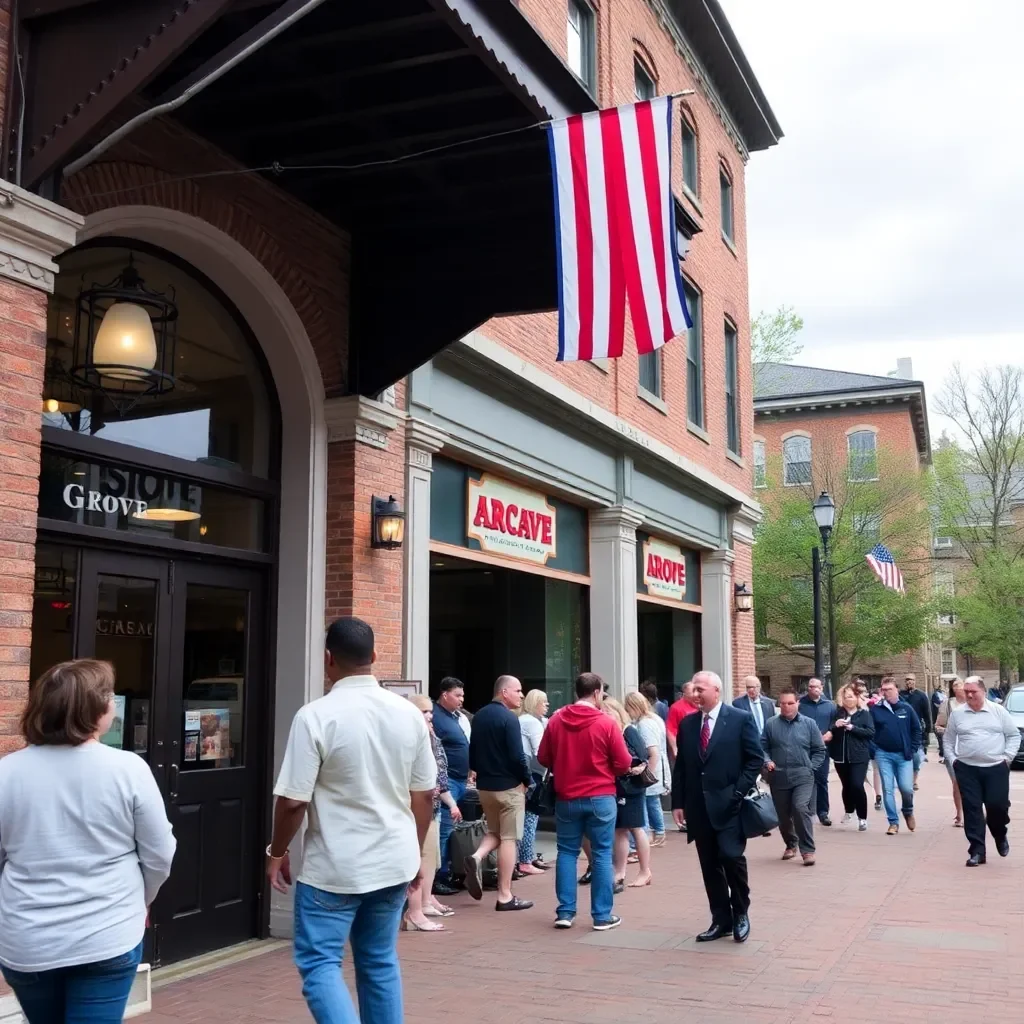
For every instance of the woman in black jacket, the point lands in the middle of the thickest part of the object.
(850, 749)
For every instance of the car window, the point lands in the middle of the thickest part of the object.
(1015, 701)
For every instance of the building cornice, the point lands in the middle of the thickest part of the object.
(356, 418)
(500, 362)
(32, 232)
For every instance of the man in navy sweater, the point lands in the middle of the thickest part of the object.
(502, 776)
(452, 730)
(897, 737)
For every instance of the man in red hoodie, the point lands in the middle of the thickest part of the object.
(585, 751)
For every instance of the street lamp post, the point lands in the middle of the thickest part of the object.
(824, 509)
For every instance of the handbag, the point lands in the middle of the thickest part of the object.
(757, 813)
(541, 800)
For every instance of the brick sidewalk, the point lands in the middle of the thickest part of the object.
(882, 929)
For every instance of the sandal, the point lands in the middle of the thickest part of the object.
(958, 822)
(438, 911)
(412, 926)
(632, 859)
(539, 863)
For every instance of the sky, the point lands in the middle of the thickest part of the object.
(891, 215)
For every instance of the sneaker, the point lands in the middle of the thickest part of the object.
(618, 887)
(474, 881)
(878, 803)
(892, 830)
(826, 821)
(847, 818)
(513, 904)
(862, 825)
(608, 924)
(564, 921)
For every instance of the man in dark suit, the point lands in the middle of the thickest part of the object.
(762, 708)
(719, 759)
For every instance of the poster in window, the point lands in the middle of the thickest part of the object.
(140, 725)
(114, 736)
(191, 736)
(214, 734)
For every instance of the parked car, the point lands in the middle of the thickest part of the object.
(1014, 703)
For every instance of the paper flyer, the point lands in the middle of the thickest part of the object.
(114, 736)
(214, 734)
(191, 736)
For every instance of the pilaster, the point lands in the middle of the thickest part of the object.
(717, 598)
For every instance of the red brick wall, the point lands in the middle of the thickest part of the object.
(743, 662)
(626, 29)
(22, 359)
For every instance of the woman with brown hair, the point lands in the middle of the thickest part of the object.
(631, 818)
(954, 700)
(421, 903)
(85, 845)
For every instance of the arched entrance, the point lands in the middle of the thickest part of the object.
(163, 523)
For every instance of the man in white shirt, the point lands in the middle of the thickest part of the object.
(359, 762)
(981, 739)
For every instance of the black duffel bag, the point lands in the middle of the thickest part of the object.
(465, 838)
(757, 813)
(469, 804)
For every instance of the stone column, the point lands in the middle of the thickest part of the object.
(32, 232)
(717, 598)
(422, 441)
(613, 645)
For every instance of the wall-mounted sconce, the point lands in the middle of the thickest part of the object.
(744, 598)
(388, 523)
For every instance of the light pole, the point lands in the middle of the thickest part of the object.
(824, 509)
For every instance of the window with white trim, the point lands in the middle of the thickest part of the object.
(942, 543)
(863, 457)
(760, 465)
(694, 358)
(725, 186)
(581, 45)
(732, 386)
(868, 527)
(944, 586)
(649, 370)
(796, 460)
(948, 661)
(691, 175)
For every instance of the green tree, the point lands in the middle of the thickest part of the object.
(773, 337)
(871, 620)
(989, 616)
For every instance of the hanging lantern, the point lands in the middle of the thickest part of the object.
(125, 339)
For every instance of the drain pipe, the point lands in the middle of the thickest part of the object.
(300, 11)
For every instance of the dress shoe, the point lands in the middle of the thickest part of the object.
(826, 821)
(910, 820)
(443, 887)
(741, 929)
(716, 931)
(975, 859)
(1003, 846)
(584, 879)
(618, 887)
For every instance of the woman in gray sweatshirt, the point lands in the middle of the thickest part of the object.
(85, 845)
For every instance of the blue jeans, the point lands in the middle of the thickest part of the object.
(918, 760)
(369, 921)
(655, 815)
(593, 817)
(94, 993)
(457, 788)
(896, 770)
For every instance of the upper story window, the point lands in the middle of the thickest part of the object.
(219, 411)
(940, 542)
(863, 457)
(643, 83)
(732, 410)
(650, 372)
(796, 460)
(725, 185)
(581, 41)
(691, 177)
(760, 465)
(948, 661)
(868, 527)
(694, 358)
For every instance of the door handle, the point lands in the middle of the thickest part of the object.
(174, 782)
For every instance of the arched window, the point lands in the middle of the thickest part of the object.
(796, 460)
(862, 454)
(218, 411)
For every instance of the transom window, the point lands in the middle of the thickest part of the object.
(796, 460)
(863, 457)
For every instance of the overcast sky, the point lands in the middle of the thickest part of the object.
(892, 213)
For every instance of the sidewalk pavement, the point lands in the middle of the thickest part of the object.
(881, 929)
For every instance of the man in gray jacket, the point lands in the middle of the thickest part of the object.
(793, 752)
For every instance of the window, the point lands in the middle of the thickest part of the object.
(863, 463)
(796, 460)
(650, 372)
(643, 83)
(868, 527)
(732, 410)
(725, 183)
(694, 359)
(942, 542)
(580, 38)
(691, 179)
(760, 465)
(948, 660)
(944, 584)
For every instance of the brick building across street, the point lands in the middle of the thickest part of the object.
(337, 332)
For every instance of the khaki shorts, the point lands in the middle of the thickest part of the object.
(505, 812)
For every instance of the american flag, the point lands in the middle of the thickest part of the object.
(883, 565)
(615, 230)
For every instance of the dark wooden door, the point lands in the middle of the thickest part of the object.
(186, 641)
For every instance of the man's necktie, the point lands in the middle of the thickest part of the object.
(705, 735)
(755, 706)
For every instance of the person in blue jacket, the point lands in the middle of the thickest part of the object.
(897, 737)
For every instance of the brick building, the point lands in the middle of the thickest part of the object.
(192, 495)
(815, 429)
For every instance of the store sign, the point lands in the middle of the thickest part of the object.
(123, 627)
(664, 570)
(76, 496)
(509, 520)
